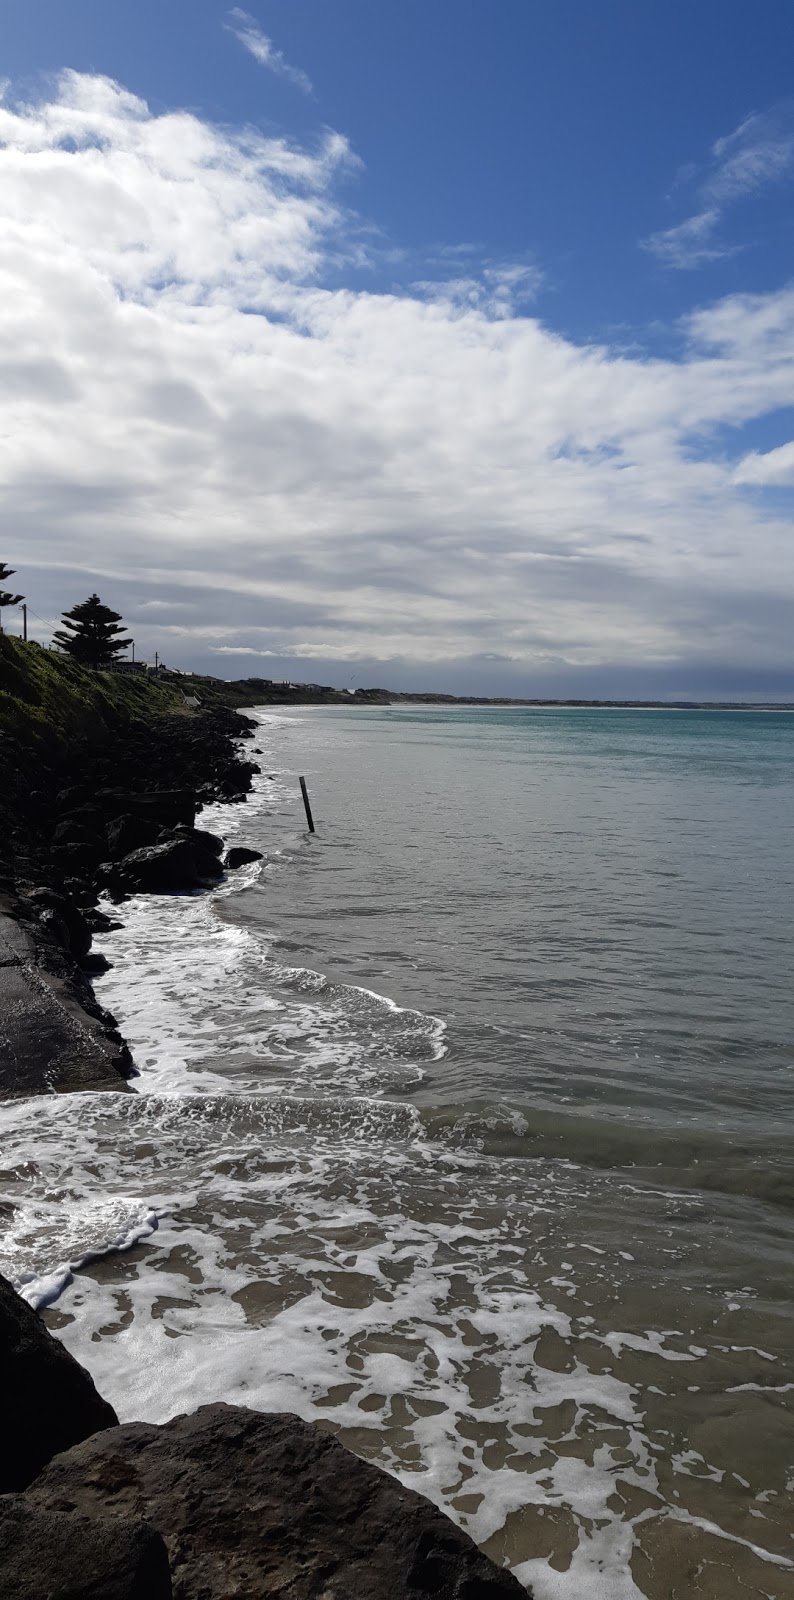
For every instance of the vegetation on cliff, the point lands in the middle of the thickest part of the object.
(47, 699)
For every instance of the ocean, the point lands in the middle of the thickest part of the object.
(466, 1126)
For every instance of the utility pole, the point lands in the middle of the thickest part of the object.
(132, 642)
(156, 661)
(24, 622)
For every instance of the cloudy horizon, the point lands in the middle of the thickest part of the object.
(282, 445)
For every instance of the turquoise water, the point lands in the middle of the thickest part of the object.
(465, 1126)
(598, 903)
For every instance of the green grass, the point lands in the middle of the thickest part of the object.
(46, 699)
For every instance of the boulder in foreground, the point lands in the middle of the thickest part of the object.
(49, 1400)
(259, 1504)
(55, 1555)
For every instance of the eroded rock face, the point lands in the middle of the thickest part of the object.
(56, 1555)
(255, 1504)
(48, 1400)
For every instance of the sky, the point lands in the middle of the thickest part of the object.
(434, 346)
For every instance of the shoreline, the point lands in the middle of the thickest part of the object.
(100, 1299)
(242, 1467)
(99, 796)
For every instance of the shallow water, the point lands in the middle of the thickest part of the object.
(467, 1126)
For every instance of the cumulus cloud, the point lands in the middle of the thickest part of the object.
(758, 153)
(245, 28)
(193, 418)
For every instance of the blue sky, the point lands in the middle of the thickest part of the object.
(436, 345)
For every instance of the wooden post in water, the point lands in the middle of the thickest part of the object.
(305, 793)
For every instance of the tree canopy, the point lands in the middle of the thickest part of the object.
(95, 635)
(6, 597)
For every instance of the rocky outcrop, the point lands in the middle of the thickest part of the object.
(267, 1505)
(240, 855)
(112, 811)
(109, 797)
(54, 1036)
(53, 1555)
(49, 1400)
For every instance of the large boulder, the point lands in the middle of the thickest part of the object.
(159, 868)
(127, 833)
(262, 1505)
(49, 1400)
(207, 850)
(55, 1555)
(202, 839)
(240, 855)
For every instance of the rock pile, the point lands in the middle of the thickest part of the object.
(118, 815)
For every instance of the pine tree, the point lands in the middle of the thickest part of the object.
(6, 597)
(93, 637)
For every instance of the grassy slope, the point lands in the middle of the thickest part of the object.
(47, 699)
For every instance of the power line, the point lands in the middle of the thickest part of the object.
(48, 621)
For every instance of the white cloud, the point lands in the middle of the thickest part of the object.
(758, 153)
(690, 243)
(245, 28)
(190, 417)
(772, 468)
(499, 290)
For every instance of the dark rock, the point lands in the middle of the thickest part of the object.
(73, 799)
(75, 859)
(54, 925)
(95, 964)
(71, 831)
(206, 847)
(267, 1505)
(239, 855)
(49, 1400)
(207, 866)
(201, 839)
(55, 1555)
(89, 817)
(166, 806)
(125, 834)
(159, 868)
(54, 1036)
(44, 901)
(100, 922)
